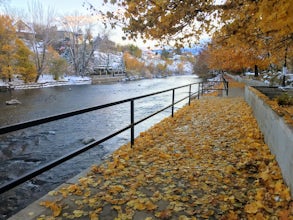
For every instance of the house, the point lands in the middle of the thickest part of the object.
(23, 30)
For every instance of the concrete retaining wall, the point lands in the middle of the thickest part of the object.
(107, 79)
(277, 134)
(247, 81)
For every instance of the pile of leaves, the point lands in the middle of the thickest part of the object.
(208, 162)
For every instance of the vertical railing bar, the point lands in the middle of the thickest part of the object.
(173, 100)
(198, 93)
(132, 122)
(189, 95)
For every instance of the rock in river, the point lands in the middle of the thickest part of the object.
(87, 140)
(13, 102)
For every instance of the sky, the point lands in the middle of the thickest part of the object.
(69, 7)
(61, 6)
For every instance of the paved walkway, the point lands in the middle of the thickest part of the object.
(208, 162)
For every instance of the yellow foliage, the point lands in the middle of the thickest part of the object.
(132, 63)
(56, 208)
(253, 207)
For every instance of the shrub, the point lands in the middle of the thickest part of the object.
(285, 99)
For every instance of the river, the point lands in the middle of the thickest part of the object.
(27, 149)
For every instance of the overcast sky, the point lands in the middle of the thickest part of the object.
(61, 6)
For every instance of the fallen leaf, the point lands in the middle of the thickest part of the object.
(56, 208)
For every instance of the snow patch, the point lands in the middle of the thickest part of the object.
(47, 80)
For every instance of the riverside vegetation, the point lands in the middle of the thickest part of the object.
(208, 162)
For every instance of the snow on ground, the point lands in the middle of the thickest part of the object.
(271, 79)
(174, 67)
(70, 80)
(108, 59)
(47, 80)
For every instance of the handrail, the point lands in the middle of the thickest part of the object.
(10, 128)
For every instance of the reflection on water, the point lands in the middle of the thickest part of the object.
(27, 149)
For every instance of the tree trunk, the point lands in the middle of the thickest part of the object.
(285, 68)
(255, 70)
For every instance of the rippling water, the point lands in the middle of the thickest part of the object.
(27, 149)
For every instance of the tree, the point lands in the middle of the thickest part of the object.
(80, 44)
(166, 54)
(56, 65)
(263, 26)
(7, 47)
(132, 49)
(132, 64)
(24, 65)
(167, 21)
(15, 56)
(200, 67)
(104, 44)
(41, 23)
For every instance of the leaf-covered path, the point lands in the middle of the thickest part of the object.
(208, 162)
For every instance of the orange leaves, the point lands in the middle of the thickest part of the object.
(165, 214)
(56, 208)
(116, 189)
(142, 204)
(133, 64)
(253, 207)
(164, 156)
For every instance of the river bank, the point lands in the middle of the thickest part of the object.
(46, 81)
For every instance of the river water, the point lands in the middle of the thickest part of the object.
(27, 149)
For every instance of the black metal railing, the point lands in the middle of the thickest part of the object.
(11, 128)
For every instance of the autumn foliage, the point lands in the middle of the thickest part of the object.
(208, 162)
(132, 64)
(245, 34)
(15, 56)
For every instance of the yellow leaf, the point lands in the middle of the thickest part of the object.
(116, 189)
(139, 206)
(232, 216)
(253, 207)
(78, 213)
(259, 194)
(285, 194)
(94, 216)
(278, 187)
(56, 209)
(265, 175)
(260, 216)
(150, 206)
(165, 214)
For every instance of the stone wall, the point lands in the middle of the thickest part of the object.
(96, 79)
(277, 133)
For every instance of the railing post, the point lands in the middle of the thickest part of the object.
(189, 94)
(227, 88)
(202, 88)
(198, 92)
(173, 100)
(132, 122)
